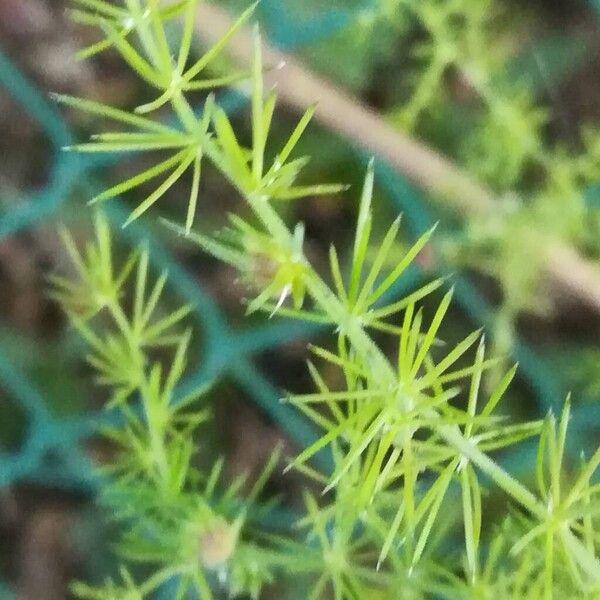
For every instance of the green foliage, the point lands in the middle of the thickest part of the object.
(177, 518)
(405, 435)
(189, 143)
(128, 591)
(119, 353)
(464, 63)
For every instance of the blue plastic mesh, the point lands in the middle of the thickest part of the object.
(225, 351)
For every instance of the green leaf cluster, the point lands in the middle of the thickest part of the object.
(179, 519)
(411, 437)
(466, 69)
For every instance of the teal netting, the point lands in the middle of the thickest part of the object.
(51, 452)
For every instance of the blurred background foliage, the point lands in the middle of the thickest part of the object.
(509, 91)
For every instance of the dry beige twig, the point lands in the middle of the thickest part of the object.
(298, 87)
